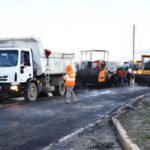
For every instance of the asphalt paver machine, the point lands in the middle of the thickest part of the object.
(92, 63)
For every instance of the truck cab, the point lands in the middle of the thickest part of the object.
(16, 67)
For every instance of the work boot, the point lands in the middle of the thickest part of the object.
(75, 101)
(68, 102)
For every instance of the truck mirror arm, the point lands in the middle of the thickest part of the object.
(22, 67)
(27, 64)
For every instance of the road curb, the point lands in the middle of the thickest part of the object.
(125, 140)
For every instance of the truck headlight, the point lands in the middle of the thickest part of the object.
(134, 72)
(14, 88)
(139, 72)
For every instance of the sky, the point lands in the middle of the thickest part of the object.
(75, 25)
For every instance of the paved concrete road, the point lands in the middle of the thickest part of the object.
(32, 126)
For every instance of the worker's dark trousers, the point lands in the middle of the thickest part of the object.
(70, 95)
(120, 82)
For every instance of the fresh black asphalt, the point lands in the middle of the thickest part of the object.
(32, 126)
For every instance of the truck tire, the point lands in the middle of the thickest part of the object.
(32, 92)
(59, 89)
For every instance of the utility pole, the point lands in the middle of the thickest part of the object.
(133, 42)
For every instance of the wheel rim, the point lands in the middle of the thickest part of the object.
(32, 92)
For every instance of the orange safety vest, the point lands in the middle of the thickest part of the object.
(70, 78)
(102, 76)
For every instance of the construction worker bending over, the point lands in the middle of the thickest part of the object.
(70, 83)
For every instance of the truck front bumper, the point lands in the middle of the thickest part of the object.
(6, 89)
(4, 86)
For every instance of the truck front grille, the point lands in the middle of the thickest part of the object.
(5, 86)
(3, 78)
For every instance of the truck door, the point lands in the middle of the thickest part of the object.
(26, 66)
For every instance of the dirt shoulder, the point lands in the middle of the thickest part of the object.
(101, 136)
(136, 121)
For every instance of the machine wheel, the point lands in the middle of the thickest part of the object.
(32, 92)
(59, 89)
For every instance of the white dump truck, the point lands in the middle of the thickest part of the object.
(29, 70)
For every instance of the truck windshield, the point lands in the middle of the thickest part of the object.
(137, 65)
(147, 63)
(8, 58)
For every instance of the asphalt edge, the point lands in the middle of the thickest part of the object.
(66, 138)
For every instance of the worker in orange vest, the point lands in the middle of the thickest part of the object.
(69, 84)
(102, 76)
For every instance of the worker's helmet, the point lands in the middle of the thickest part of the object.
(68, 68)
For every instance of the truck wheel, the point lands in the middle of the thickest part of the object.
(59, 89)
(32, 92)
